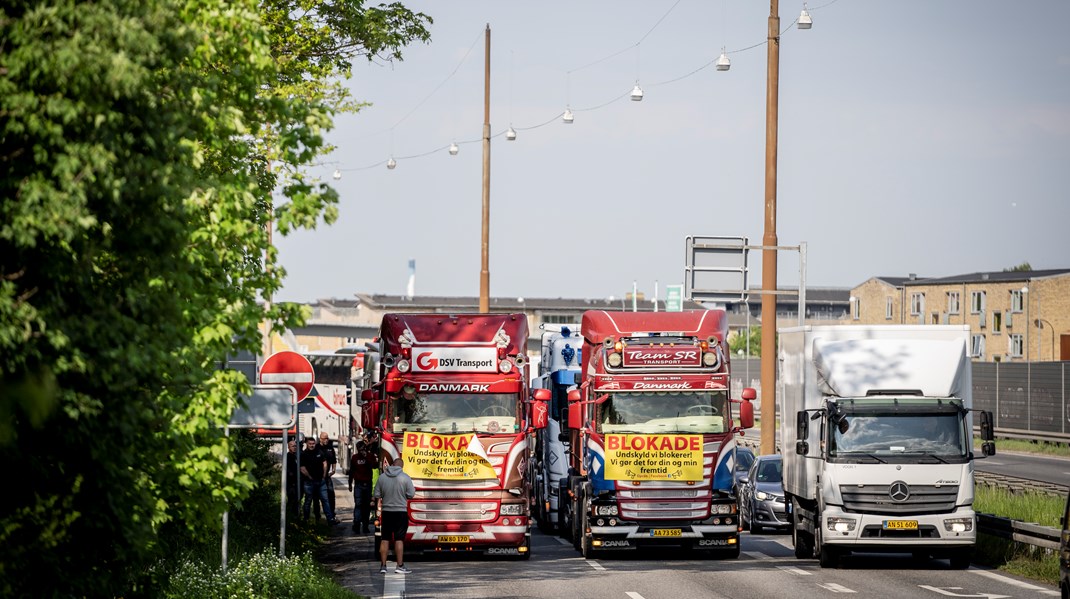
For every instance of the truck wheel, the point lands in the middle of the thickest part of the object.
(828, 557)
(577, 520)
(586, 546)
(732, 553)
(803, 542)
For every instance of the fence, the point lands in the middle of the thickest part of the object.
(1028, 400)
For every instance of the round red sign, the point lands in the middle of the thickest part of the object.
(289, 368)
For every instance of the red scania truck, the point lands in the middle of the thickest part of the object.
(453, 402)
(652, 434)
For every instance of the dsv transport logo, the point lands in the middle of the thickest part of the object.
(425, 361)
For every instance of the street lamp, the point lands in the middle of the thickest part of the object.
(1038, 322)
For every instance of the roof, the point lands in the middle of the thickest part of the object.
(506, 304)
(998, 276)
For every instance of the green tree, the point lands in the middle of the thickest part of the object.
(1023, 267)
(738, 342)
(141, 146)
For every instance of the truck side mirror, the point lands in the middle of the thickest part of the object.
(541, 394)
(987, 432)
(368, 396)
(369, 412)
(749, 394)
(802, 425)
(575, 415)
(746, 414)
(573, 395)
(802, 447)
(539, 413)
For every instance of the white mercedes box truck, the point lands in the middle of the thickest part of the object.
(877, 431)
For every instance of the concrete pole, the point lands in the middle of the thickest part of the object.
(484, 273)
(769, 256)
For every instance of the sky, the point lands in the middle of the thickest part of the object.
(927, 136)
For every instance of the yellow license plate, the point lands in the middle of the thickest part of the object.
(900, 525)
(665, 532)
(453, 539)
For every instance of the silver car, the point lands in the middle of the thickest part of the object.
(761, 496)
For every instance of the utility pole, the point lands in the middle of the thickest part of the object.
(769, 254)
(484, 273)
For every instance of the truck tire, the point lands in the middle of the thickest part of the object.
(827, 555)
(800, 539)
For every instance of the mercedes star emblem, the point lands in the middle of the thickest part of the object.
(899, 491)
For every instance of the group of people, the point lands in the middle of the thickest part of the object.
(393, 489)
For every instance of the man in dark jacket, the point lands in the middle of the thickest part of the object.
(394, 489)
(361, 472)
(313, 471)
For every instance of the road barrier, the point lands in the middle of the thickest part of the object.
(1021, 532)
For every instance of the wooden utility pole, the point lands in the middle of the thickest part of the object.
(769, 255)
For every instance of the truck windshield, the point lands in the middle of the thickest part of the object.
(939, 434)
(653, 412)
(454, 413)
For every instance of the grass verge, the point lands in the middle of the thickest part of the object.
(1025, 446)
(1009, 556)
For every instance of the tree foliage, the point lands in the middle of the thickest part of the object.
(738, 342)
(141, 147)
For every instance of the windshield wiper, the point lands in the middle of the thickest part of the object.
(925, 454)
(848, 456)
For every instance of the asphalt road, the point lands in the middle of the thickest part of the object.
(767, 568)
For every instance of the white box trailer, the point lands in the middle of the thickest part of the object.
(877, 432)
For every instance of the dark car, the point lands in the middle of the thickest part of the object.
(761, 499)
(744, 458)
(1064, 552)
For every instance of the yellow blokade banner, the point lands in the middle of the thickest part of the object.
(653, 457)
(459, 457)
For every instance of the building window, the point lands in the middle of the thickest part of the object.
(1015, 345)
(977, 302)
(917, 303)
(977, 346)
(561, 318)
(1017, 303)
(997, 321)
(856, 307)
(953, 302)
(888, 305)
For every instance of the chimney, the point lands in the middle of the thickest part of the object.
(410, 291)
(913, 276)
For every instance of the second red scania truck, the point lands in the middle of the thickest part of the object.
(652, 434)
(453, 403)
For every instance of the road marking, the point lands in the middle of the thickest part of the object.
(835, 588)
(393, 586)
(794, 570)
(634, 595)
(563, 541)
(757, 555)
(596, 565)
(1014, 582)
(948, 592)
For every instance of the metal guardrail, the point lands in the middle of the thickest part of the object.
(1017, 483)
(1021, 532)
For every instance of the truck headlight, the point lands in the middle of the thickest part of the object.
(723, 508)
(605, 510)
(841, 524)
(512, 509)
(958, 524)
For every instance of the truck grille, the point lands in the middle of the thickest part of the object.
(662, 493)
(877, 499)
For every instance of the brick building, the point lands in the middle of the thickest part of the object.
(1013, 316)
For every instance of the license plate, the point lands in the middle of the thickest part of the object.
(453, 538)
(900, 525)
(666, 532)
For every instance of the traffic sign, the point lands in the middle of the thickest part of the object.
(674, 298)
(289, 368)
(716, 269)
(270, 407)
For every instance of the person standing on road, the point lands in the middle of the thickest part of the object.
(394, 489)
(361, 466)
(332, 464)
(313, 469)
(292, 478)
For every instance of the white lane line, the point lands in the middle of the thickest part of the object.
(796, 571)
(835, 588)
(563, 541)
(634, 595)
(595, 565)
(393, 585)
(757, 555)
(950, 592)
(1014, 582)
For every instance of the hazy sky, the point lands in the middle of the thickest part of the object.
(927, 136)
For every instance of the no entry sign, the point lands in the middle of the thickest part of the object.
(288, 368)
